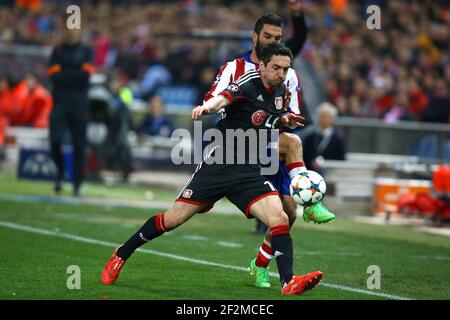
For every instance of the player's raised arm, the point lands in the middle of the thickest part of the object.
(298, 39)
(211, 106)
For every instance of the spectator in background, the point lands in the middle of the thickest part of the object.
(349, 58)
(102, 45)
(156, 123)
(439, 108)
(155, 76)
(33, 104)
(399, 111)
(120, 149)
(418, 100)
(70, 67)
(207, 76)
(27, 104)
(6, 106)
(323, 141)
(441, 187)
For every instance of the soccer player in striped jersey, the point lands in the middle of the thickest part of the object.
(268, 29)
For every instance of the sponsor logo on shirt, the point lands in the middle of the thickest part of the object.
(278, 103)
(187, 193)
(258, 117)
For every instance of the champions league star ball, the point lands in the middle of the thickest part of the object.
(308, 188)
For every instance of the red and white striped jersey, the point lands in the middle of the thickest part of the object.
(231, 71)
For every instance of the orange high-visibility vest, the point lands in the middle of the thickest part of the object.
(33, 5)
(34, 106)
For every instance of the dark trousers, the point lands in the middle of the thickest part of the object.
(71, 116)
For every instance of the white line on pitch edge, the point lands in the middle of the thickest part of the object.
(182, 258)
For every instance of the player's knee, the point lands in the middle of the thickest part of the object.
(172, 222)
(280, 218)
(175, 217)
(293, 142)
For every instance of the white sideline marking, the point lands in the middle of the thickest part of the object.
(229, 244)
(194, 237)
(219, 243)
(177, 257)
(433, 257)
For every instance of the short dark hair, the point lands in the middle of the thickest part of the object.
(275, 49)
(267, 18)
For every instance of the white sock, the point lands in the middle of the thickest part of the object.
(295, 171)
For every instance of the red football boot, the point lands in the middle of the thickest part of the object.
(300, 284)
(112, 268)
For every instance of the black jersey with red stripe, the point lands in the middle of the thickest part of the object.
(254, 109)
(251, 105)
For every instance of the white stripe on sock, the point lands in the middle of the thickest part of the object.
(296, 171)
(265, 254)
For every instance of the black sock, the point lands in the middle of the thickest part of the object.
(283, 251)
(153, 228)
(58, 158)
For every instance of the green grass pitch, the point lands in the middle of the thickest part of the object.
(204, 259)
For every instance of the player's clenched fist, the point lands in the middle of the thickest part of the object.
(198, 111)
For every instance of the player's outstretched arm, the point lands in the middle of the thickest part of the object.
(211, 106)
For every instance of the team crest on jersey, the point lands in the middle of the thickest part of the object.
(258, 117)
(278, 103)
(233, 87)
(187, 193)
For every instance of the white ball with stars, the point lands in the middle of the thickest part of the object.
(308, 188)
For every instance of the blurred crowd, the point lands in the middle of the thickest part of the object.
(401, 72)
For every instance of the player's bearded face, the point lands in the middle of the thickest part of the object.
(260, 44)
(268, 34)
(258, 48)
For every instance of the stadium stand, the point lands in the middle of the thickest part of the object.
(387, 84)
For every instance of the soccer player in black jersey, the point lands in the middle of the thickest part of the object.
(253, 102)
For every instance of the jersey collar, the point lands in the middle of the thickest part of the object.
(269, 90)
(247, 58)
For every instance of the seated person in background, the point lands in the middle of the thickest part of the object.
(27, 104)
(155, 122)
(441, 183)
(6, 107)
(33, 104)
(323, 140)
(399, 111)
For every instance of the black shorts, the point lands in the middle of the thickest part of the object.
(243, 185)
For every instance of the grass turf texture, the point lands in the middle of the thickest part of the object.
(11, 185)
(35, 265)
(413, 264)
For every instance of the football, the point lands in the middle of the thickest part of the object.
(308, 188)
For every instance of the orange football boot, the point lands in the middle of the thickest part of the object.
(112, 268)
(300, 284)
